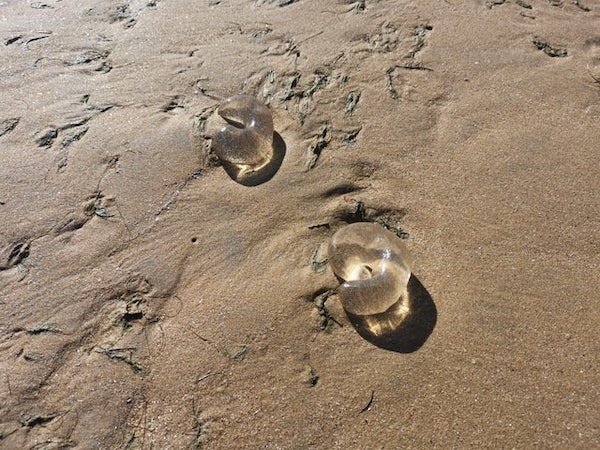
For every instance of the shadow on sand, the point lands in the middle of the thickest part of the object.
(404, 327)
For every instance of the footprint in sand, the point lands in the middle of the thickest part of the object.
(249, 148)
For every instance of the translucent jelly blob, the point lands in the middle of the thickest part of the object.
(246, 142)
(375, 267)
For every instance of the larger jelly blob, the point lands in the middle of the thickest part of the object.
(374, 266)
(246, 142)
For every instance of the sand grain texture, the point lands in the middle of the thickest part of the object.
(149, 301)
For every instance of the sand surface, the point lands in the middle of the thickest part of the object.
(149, 301)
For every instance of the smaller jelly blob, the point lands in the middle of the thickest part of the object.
(375, 267)
(246, 142)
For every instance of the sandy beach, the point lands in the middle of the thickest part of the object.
(150, 301)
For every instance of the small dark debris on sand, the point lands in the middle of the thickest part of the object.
(239, 354)
(350, 137)
(7, 125)
(19, 253)
(123, 355)
(367, 407)
(31, 420)
(45, 328)
(41, 5)
(45, 138)
(318, 262)
(489, 4)
(351, 102)
(319, 144)
(12, 39)
(548, 49)
(580, 6)
(325, 317)
(310, 376)
(523, 4)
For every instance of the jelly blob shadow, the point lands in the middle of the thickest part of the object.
(384, 301)
(250, 150)
(403, 328)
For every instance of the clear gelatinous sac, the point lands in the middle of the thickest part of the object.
(374, 265)
(246, 142)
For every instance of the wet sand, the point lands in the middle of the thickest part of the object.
(147, 300)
